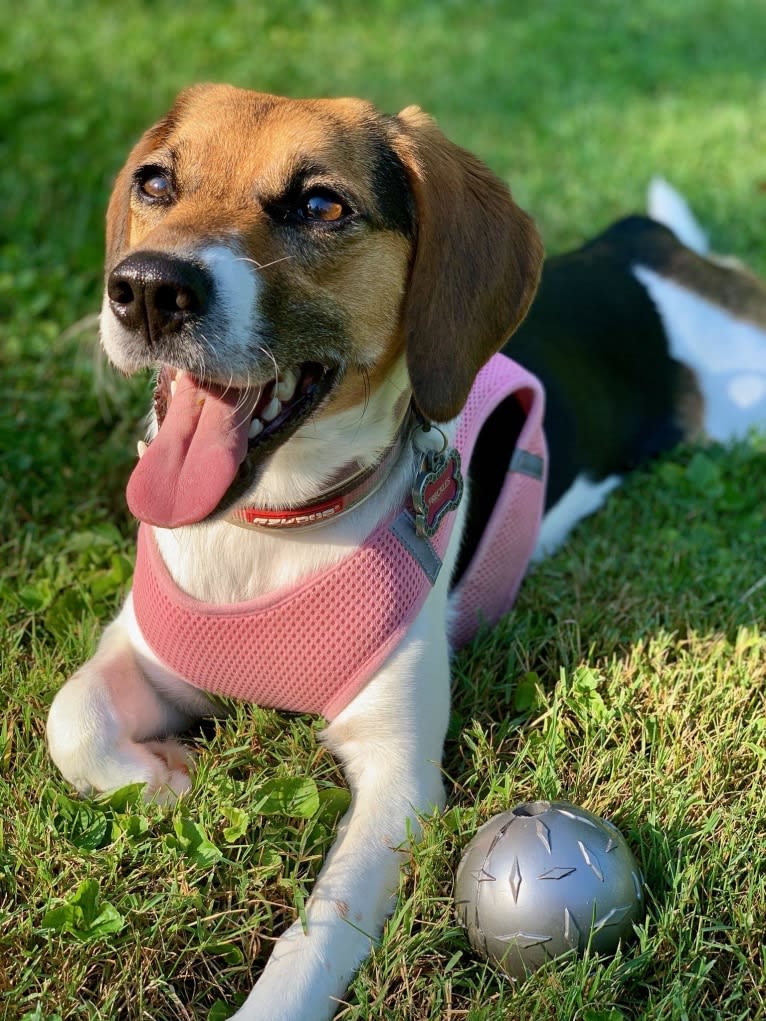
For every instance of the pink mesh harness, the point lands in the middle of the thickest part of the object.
(286, 649)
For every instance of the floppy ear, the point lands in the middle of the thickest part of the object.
(476, 266)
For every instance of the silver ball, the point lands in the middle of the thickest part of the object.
(544, 879)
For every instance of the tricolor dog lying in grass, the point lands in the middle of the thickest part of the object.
(343, 478)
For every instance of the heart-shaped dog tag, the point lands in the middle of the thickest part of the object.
(438, 489)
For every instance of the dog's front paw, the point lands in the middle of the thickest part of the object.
(164, 767)
(95, 738)
(172, 767)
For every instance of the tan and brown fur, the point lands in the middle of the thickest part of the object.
(383, 289)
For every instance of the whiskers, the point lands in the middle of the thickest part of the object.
(262, 265)
(208, 358)
(366, 402)
(246, 403)
(266, 350)
(249, 397)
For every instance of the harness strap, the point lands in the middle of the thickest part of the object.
(490, 583)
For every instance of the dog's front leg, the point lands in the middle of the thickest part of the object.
(110, 725)
(389, 740)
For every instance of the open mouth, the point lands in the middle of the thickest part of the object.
(211, 440)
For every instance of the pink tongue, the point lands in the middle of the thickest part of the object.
(192, 461)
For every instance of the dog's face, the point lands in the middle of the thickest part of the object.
(274, 258)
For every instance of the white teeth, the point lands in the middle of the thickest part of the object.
(256, 426)
(286, 385)
(141, 447)
(173, 385)
(271, 410)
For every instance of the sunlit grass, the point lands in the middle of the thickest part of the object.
(631, 676)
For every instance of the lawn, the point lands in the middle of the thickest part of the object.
(632, 676)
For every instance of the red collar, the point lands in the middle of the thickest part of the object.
(353, 490)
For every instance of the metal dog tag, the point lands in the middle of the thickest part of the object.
(438, 488)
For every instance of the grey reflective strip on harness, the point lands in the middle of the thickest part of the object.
(403, 527)
(527, 464)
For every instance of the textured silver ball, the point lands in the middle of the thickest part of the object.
(544, 879)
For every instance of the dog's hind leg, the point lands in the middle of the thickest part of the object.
(109, 725)
(714, 314)
(713, 310)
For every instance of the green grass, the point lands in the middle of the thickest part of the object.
(632, 676)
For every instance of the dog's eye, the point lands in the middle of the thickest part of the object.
(154, 185)
(324, 206)
(313, 206)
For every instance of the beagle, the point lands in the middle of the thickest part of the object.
(336, 450)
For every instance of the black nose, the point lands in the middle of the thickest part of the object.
(157, 295)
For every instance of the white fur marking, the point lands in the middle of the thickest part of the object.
(727, 355)
(746, 391)
(583, 497)
(237, 288)
(668, 206)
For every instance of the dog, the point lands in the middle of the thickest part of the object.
(323, 291)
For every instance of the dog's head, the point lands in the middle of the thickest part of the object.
(274, 259)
